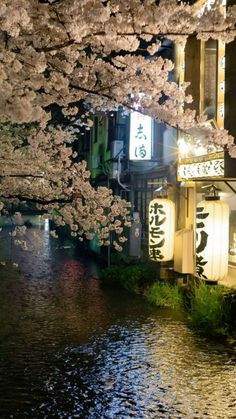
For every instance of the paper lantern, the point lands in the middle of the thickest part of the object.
(161, 229)
(212, 239)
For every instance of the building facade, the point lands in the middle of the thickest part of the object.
(142, 160)
(203, 168)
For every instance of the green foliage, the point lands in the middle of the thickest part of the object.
(211, 308)
(134, 277)
(164, 294)
(120, 258)
(208, 310)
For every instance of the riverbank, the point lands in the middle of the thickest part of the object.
(210, 309)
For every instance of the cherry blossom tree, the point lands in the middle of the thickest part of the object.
(40, 168)
(57, 51)
(104, 53)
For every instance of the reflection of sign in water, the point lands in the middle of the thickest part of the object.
(140, 143)
(204, 169)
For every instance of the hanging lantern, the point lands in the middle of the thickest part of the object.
(161, 229)
(212, 238)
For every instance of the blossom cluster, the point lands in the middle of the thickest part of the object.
(43, 172)
(61, 52)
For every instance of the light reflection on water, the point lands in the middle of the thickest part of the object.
(71, 349)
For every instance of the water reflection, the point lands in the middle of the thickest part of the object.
(71, 349)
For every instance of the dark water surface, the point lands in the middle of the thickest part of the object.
(71, 349)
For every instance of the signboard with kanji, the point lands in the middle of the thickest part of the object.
(140, 140)
(161, 223)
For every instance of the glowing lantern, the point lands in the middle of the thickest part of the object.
(161, 229)
(212, 238)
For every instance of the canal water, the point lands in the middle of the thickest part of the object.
(70, 348)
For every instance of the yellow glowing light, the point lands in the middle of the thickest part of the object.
(183, 147)
(200, 151)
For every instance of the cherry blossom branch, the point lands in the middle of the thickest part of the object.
(38, 200)
(125, 105)
(22, 176)
(139, 36)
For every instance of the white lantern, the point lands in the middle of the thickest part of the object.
(161, 229)
(212, 239)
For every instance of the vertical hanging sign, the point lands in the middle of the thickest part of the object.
(212, 239)
(161, 229)
(140, 139)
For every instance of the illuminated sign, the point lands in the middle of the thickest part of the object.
(140, 140)
(203, 169)
(199, 160)
(212, 238)
(161, 223)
